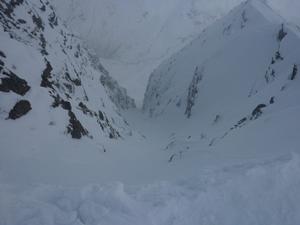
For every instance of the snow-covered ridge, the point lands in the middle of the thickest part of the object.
(47, 75)
(250, 18)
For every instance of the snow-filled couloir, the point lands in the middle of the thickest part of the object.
(217, 141)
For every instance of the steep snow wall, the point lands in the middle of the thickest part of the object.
(236, 85)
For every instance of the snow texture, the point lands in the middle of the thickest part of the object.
(251, 194)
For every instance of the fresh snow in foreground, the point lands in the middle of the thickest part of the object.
(266, 193)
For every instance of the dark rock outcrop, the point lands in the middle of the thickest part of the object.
(75, 128)
(13, 83)
(281, 34)
(20, 109)
(294, 73)
(46, 76)
(257, 111)
(193, 91)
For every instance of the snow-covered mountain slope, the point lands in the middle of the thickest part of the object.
(60, 111)
(49, 83)
(134, 36)
(235, 87)
(223, 83)
(222, 141)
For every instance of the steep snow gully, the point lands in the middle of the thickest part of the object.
(216, 143)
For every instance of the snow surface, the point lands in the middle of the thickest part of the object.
(227, 163)
(246, 194)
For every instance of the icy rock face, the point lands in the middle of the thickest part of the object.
(45, 66)
(193, 91)
(242, 72)
(116, 93)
